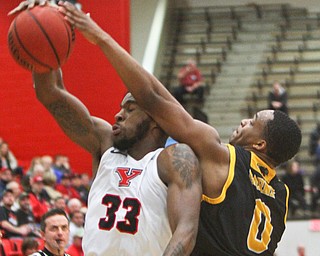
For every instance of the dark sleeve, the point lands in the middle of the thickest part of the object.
(270, 98)
(284, 98)
(301, 185)
(3, 214)
(312, 144)
(45, 196)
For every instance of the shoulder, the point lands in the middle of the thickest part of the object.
(177, 151)
(176, 161)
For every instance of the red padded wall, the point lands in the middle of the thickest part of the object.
(25, 124)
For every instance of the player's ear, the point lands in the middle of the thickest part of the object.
(260, 145)
(42, 234)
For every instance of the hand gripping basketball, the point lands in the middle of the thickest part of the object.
(40, 39)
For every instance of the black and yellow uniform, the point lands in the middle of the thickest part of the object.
(249, 217)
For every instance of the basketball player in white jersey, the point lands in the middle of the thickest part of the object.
(144, 200)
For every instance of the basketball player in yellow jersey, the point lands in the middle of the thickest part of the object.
(244, 206)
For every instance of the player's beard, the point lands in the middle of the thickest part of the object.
(125, 143)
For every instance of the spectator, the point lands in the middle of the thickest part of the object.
(55, 231)
(314, 144)
(315, 188)
(50, 182)
(85, 181)
(60, 203)
(25, 215)
(73, 205)
(294, 180)
(190, 82)
(15, 187)
(76, 183)
(5, 178)
(39, 199)
(47, 162)
(277, 99)
(37, 169)
(76, 224)
(29, 246)
(61, 166)
(8, 160)
(66, 189)
(8, 218)
(35, 160)
(25, 180)
(75, 249)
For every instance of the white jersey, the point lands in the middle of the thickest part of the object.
(127, 208)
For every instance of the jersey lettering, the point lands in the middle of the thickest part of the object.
(127, 174)
(262, 185)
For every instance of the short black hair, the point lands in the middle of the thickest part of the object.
(52, 212)
(283, 137)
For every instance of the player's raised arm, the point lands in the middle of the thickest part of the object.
(91, 133)
(147, 89)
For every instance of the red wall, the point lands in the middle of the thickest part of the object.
(25, 124)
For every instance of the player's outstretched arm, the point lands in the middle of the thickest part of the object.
(179, 168)
(91, 133)
(146, 88)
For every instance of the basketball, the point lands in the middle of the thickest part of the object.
(40, 39)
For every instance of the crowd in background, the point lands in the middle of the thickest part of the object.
(27, 193)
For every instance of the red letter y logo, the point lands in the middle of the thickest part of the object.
(126, 175)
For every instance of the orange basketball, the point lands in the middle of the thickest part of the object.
(40, 39)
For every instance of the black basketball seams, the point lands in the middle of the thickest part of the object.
(46, 35)
(23, 62)
(15, 52)
(71, 37)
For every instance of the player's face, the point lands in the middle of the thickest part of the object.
(250, 131)
(132, 125)
(56, 234)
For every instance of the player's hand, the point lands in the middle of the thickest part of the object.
(25, 229)
(27, 5)
(77, 18)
